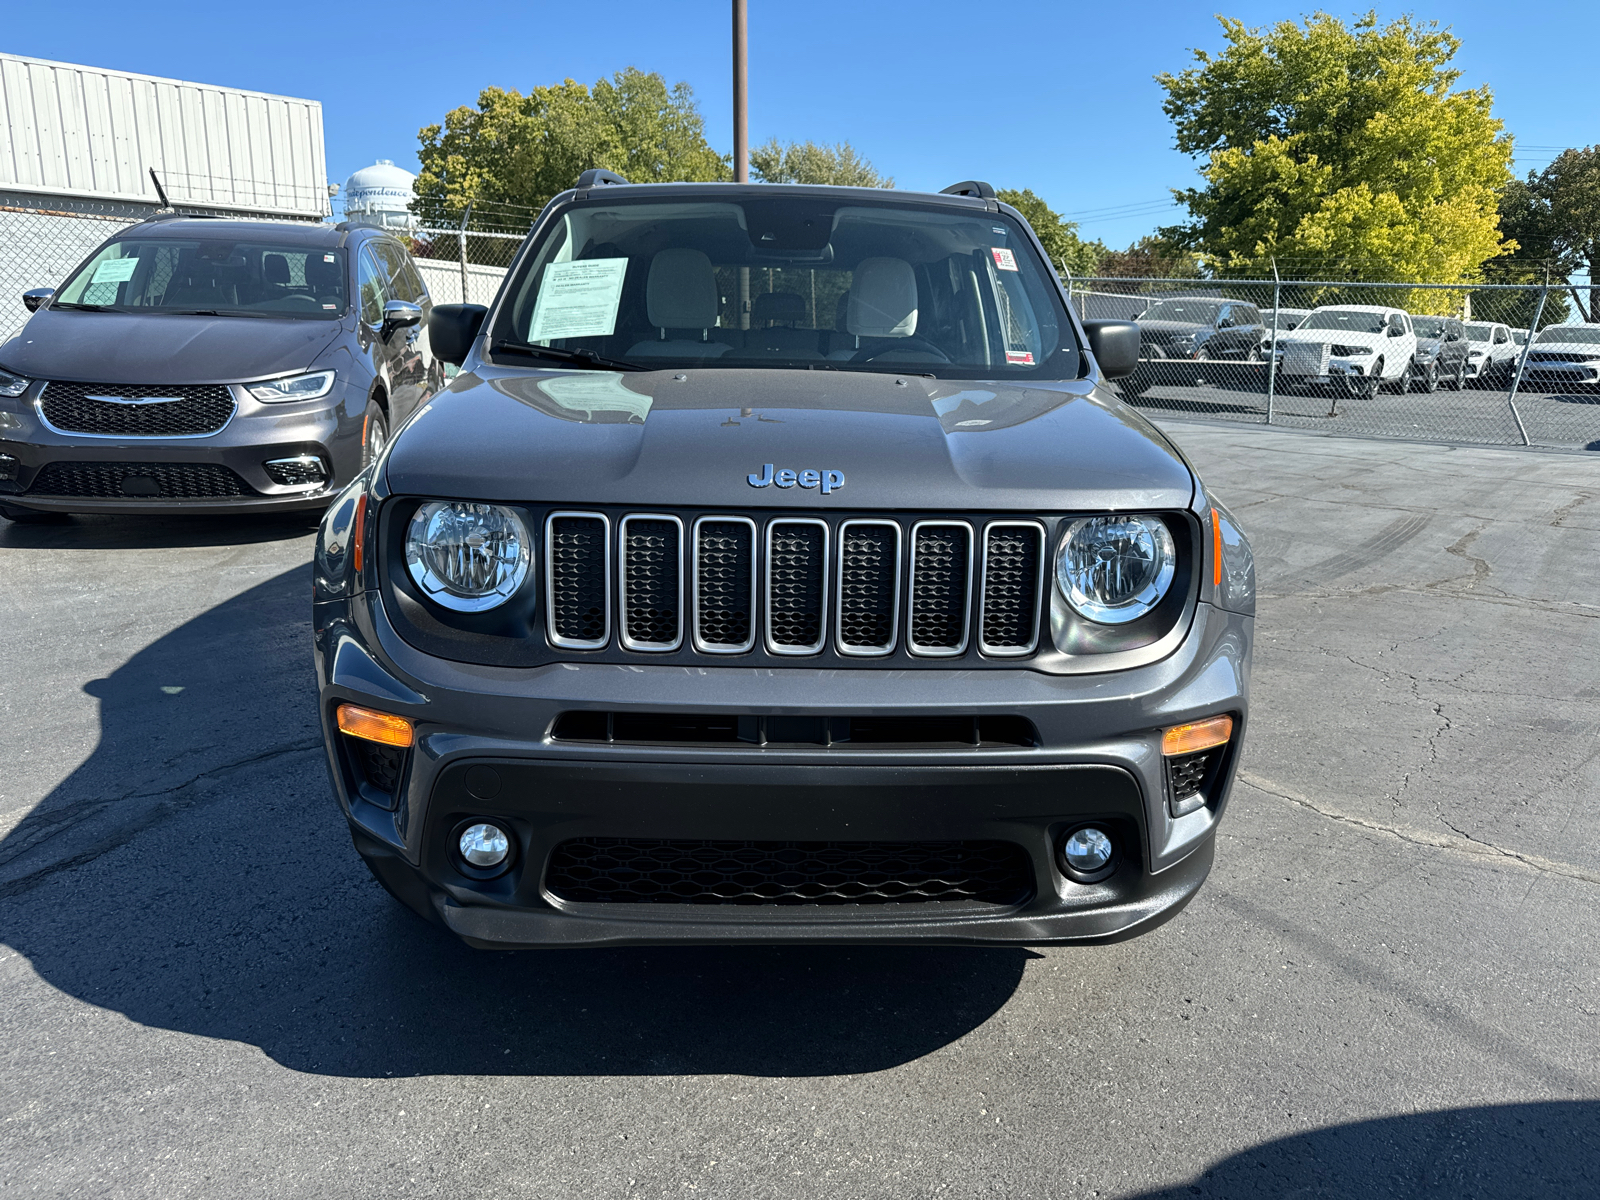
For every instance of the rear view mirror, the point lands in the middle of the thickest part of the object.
(452, 329)
(33, 299)
(1115, 345)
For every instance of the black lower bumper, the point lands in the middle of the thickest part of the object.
(544, 804)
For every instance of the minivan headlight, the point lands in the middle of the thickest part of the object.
(1115, 569)
(12, 385)
(293, 387)
(467, 557)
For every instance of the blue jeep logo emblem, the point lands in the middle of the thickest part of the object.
(828, 481)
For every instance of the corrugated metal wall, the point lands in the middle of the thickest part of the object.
(67, 130)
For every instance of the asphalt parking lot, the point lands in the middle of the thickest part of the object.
(1388, 986)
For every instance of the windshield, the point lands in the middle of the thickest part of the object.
(1344, 320)
(1587, 335)
(1480, 333)
(1287, 318)
(221, 276)
(1428, 327)
(789, 282)
(1181, 310)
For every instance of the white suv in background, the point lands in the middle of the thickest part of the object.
(1363, 346)
(1491, 353)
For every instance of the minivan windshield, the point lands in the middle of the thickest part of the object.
(792, 282)
(1345, 320)
(213, 276)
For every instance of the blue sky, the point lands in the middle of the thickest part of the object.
(1057, 97)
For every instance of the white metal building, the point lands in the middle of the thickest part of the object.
(77, 145)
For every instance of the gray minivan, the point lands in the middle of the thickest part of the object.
(209, 365)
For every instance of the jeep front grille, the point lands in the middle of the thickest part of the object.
(136, 409)
(578, 565)
(724, 584)
(1013, 578)
(868, 601)
(652, 582)
(941, 580)
(797, 586)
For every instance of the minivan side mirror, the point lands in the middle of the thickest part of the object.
(453, 327)
(400, 314)
(33, 299)
(1115, 345)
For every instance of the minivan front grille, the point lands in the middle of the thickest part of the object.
(577, 557)
(139, 481)
(136, 409)
(724, 584)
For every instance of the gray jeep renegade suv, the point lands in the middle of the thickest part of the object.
(780, 568)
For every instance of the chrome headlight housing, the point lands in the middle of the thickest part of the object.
(12, 385)
(467, 557)
(309, 386)
(1115, 569)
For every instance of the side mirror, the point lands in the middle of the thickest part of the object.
(1397, 330)
(1115, 345)
(33, 299)
(452, 329)
(400, 314)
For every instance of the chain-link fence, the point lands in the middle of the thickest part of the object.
(1438, 363)
(37, 249)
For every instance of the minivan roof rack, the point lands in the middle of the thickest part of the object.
(975, 188)
(595, 176)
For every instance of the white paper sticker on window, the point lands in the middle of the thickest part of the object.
(115, 270)
(1004, 259)
(578, 299)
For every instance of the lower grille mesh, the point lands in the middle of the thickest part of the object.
(577, 550)
(1186, 774)
(112, 480)
(725, 583)
(797, 556)
(1011, 555)
(641, 871)
(940, 558)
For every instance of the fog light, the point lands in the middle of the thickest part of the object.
(9, 466)
(1087, 850)
(485, 845)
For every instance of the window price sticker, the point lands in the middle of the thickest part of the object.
(578, 299)
(1004, 259)
(115, 270)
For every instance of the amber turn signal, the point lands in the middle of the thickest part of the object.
(373, 726)
(1197, 735)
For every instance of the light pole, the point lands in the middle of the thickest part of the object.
(741, 88)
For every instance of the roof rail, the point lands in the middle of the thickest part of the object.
(595, 176)
(975, 188)
(179, 216)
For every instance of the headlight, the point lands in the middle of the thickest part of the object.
(469, 557)
(293, 387)
(1349, 351)
(12, 385)
(1113, 570)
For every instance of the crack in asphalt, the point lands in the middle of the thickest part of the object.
(1461, 843)
(168, 805)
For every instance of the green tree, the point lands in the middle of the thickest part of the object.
(1059, 237)
(814, 162)
(1340, 147)
(1555, 217)
(517, 149)
(1151, 257)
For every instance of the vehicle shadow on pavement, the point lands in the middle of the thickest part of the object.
(194, 874)
(1503, 1151)
(99, 532)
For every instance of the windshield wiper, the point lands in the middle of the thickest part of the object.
(83, 307)
(207, 312)
(578, 358)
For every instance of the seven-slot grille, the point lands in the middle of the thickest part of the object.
(136, 409)
(798, 580)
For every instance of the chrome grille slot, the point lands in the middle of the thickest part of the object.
(578, 579)
(724, 585)
(868, 600)
(652, 582)
(797, 586)
(941, 575)
(1010, 594)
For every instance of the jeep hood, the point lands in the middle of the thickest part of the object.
(163, 348)
(692, 437)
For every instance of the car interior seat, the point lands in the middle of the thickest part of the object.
(773, 333)
(681, 302)
(880, 307)
(323, 278)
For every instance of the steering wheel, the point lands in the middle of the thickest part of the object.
(901, 344)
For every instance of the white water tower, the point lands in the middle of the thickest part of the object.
(380, 195)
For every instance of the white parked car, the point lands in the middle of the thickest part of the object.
(1285, 318)
(1565, 354)
(1491, 353)
(1363, 346)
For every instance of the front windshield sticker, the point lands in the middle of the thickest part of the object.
(578, 299)
(115, 270)
(1005, 259)
(592, 393)
(1019, 358)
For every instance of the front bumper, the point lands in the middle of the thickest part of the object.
(328, 428)
(1562, 373)
(484, 750)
